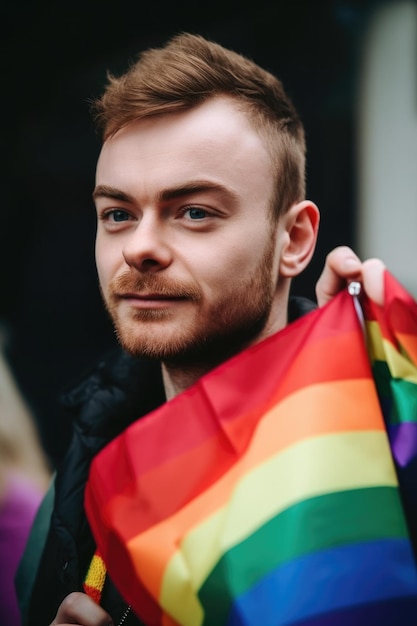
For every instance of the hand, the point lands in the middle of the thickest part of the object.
(79, 609)
(344, 266)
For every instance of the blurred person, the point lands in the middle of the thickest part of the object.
(24, 478)
(202, 225)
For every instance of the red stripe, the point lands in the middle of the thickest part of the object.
(398, 316)
(93, 593)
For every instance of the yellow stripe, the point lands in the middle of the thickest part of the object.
(310, 468)
(381, 349)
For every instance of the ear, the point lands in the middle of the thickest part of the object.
(300, 225)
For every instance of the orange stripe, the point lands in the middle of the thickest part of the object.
(294, 419)
(409, 342)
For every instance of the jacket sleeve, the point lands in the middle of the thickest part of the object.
(26, 572)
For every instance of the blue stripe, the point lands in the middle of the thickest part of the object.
(331, 580)
(396, 612)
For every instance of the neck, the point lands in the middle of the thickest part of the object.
(176, 379)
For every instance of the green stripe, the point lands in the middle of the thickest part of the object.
(315, 524)
(398, 396)
(404, 395)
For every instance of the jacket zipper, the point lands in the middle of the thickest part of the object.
(124, 616)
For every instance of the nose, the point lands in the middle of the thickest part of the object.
(147, 248)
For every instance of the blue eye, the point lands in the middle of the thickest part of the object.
(118, 215)
(196, 213)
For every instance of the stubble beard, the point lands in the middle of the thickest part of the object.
(210, 336)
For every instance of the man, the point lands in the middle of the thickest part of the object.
(202, 224)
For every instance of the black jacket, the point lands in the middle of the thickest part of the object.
(121, 390)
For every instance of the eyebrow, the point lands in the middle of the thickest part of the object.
(105, 191)
(171, 193)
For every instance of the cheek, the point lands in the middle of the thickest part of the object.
(106, 262)
(226, 266)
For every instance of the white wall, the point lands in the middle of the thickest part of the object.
(387, 141)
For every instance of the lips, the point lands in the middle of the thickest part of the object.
(150, 296)
(149, 301)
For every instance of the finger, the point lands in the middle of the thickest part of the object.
(78, 608)
(342, 265)
(373, 279)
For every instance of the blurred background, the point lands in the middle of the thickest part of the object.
(351, 70)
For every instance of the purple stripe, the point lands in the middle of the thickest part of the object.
(340, 579)
(403, 439)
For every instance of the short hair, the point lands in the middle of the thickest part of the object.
(190, 70)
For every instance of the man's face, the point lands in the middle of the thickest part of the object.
(187, 254)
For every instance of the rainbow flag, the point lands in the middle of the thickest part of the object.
(267, 494)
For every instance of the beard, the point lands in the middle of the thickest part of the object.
(209, 336)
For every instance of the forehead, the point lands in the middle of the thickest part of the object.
(215, 128)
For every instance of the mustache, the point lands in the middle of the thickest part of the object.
(152, 283)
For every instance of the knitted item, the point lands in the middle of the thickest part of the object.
(96, 575)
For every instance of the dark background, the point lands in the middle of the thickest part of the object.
(55, 56)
